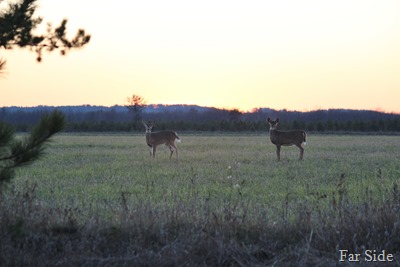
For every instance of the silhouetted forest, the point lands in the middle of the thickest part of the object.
(89, 118)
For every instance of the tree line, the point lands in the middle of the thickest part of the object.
(193, 118)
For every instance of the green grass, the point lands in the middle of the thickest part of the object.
(91, 171)
(225, 189)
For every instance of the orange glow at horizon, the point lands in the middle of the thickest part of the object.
(286, 54)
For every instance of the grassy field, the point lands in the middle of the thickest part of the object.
(220, 182)
(91, 171)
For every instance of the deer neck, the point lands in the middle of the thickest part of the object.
(148, 139)
(273, 134)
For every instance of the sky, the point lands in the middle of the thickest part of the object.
(294, 55)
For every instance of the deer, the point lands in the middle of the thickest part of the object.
(153, 139)
(286, 138)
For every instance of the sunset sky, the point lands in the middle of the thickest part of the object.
(295, 55)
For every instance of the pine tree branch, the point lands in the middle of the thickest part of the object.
(32, 148)
(17, 25)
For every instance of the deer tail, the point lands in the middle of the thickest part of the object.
(177, 138)
(304, 138)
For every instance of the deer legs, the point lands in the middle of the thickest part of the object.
(301, 151)
(173, 148)
(278, 151)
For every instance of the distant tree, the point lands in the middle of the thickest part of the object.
(17, 25)
(234, 114)
(136, 104)
(320, 127)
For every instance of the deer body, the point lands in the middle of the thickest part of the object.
(153, 139)
(286, 138)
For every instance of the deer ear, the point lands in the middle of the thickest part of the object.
(268, 119)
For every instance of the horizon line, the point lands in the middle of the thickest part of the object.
(220, 108)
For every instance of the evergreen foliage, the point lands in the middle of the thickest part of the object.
(16, 152)
(17, 25)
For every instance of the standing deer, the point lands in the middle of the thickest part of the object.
(154, 139)
(286, 138)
